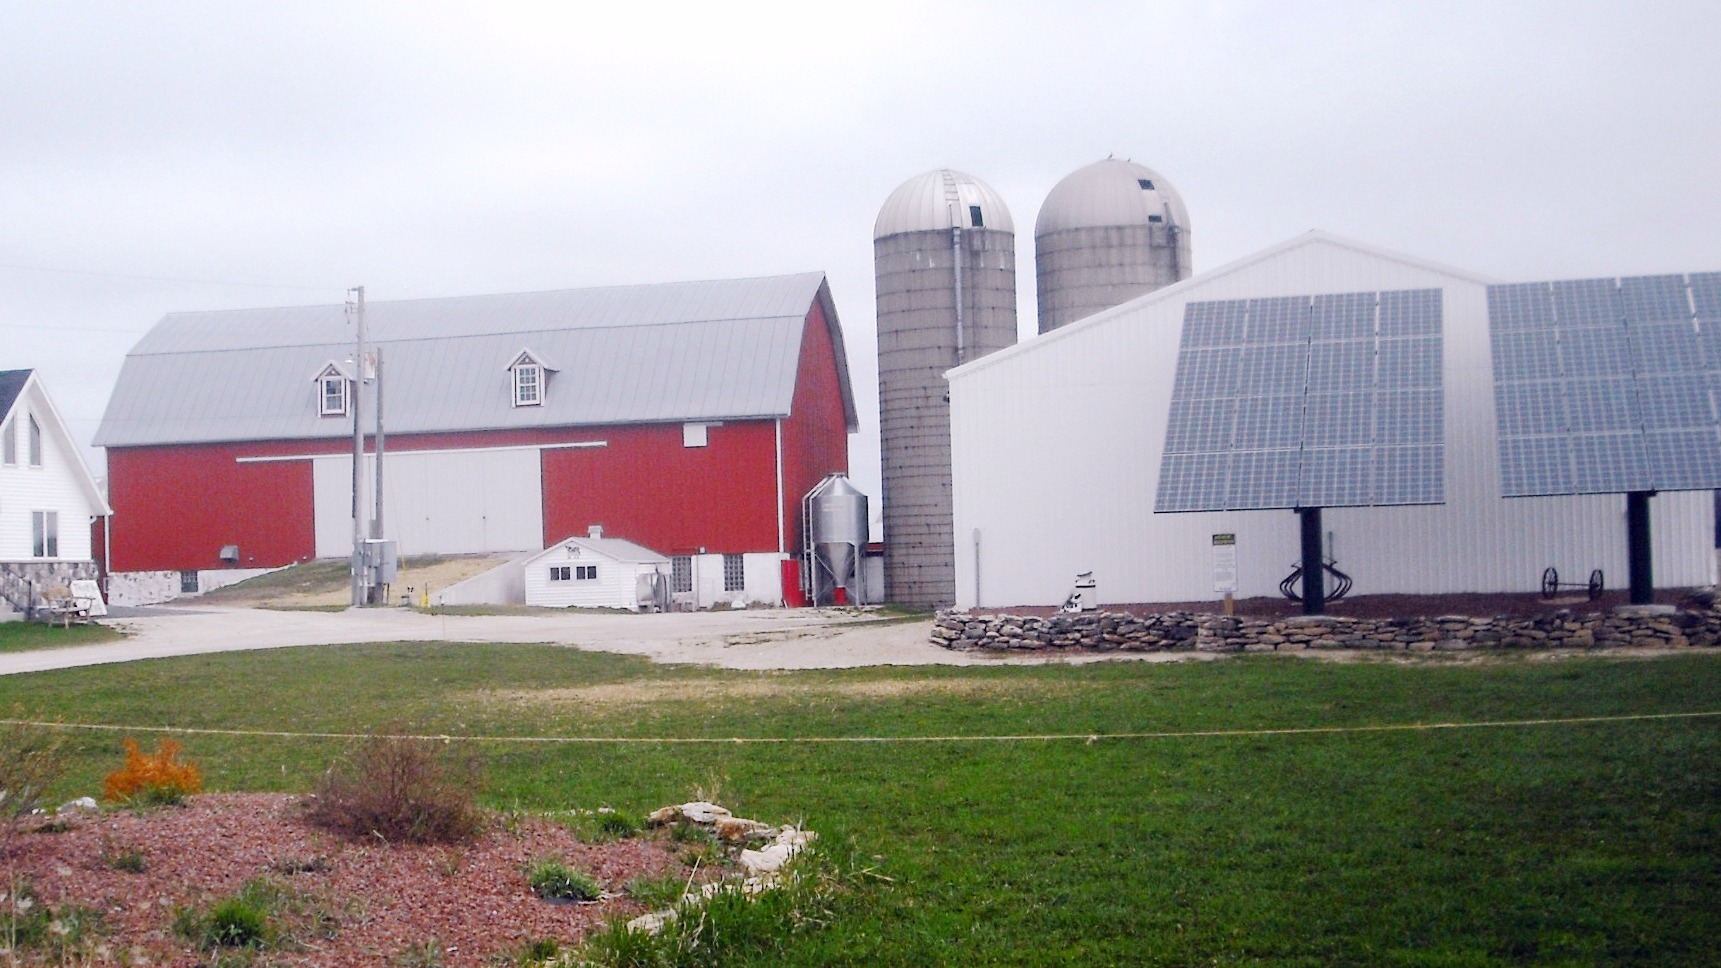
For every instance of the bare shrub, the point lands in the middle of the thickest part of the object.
(31, 760)
(401, 788)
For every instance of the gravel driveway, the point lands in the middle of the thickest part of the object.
(752, 639)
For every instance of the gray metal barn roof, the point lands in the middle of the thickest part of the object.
(719, 350)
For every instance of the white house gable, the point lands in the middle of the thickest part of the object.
(47, 495)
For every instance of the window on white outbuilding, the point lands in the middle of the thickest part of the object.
(9, 443)
(35, 443)
(560, 573)
(681, 573)
(585, 572)
(334, 395)
(45, 534)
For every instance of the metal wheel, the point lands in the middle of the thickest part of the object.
(1550, 583)
(1595, 586)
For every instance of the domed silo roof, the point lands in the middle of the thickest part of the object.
(942, 200)
(1106, 234)
(1107, 193)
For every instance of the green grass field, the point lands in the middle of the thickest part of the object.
(1210, 841)
(28, 636)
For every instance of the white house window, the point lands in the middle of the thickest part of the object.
(334, 395)
(528, 384)
(585, 572)
(45, 534)
(35, 443)
(9, 443)
(734, 573)
(561, 573)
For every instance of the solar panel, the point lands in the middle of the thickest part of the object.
(1685, 458)
(1605, 386)
(1675, 347)
(1409, 363)
(1410, 312)
(1706, 294)
(1328, 400)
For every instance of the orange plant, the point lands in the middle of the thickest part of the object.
(160, 778)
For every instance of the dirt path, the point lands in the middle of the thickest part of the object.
(752, 639)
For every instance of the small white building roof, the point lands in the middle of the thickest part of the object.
(615, 549)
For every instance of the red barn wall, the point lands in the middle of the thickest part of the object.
(174, 507)
(647, 487)
(815, 434)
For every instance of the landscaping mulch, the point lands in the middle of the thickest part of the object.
(352, 903)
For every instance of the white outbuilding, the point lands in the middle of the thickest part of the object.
(1057, 443)
(598, 572)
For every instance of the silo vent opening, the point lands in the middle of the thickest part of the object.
(1145, 183)
(974, 217)
(1156, 218)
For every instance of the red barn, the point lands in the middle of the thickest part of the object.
(689, 418)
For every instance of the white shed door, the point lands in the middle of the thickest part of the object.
(439, 502)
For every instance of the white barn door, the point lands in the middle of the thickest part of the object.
(439, 502)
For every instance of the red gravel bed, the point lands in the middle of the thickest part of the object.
(374, 899)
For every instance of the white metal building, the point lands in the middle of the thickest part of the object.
(1056, 444)
(597, 572)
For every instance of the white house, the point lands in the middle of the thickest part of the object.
(1057, 445)
(48, 498)
(597, 572)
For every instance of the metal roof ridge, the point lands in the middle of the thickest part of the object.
(1311, 237)
(436, 337)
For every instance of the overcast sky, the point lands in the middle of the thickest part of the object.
(163, 156)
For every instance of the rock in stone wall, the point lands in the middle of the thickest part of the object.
(1189, 631)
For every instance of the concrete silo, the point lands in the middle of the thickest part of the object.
(1106, 234)
(944, 258)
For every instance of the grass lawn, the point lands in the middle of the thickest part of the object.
(1593, 843)
(28, 636)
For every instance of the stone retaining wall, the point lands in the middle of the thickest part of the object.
(1189, 631)
(23, 584)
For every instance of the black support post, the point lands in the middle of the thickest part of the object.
(1314, 563)
(1637, 547)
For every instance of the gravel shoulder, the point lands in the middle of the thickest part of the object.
(754, 639)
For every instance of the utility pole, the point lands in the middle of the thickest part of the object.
(356, 310)
(376, 483)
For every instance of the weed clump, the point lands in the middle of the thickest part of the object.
(159, 779)
(553, 880)
(400, 788)
(241, 921)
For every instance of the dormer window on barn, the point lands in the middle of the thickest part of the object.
(334, 387)
(529, 376)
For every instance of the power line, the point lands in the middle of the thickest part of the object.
(75, 329)
(793, 740)
(194, 282)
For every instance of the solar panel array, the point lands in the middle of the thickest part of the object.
(1307, 401)
(1605, 386)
